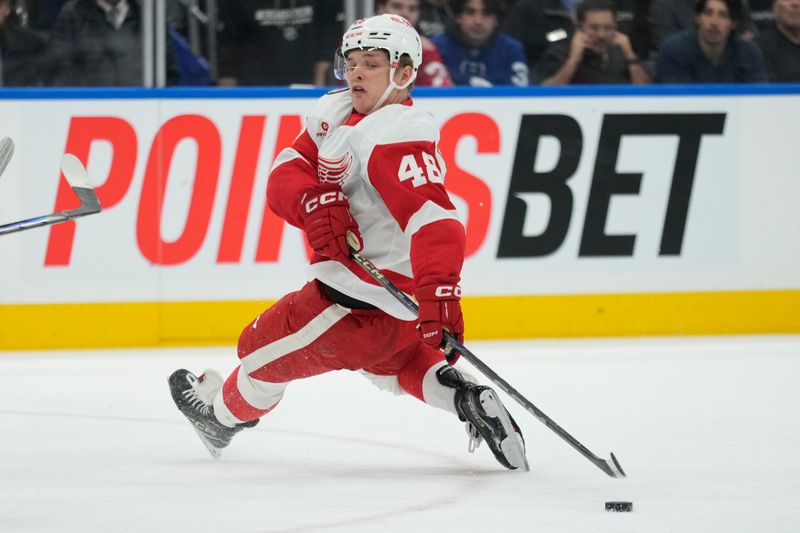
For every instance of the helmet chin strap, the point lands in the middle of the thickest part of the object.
(392, 86)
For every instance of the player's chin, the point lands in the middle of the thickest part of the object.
(361, 105)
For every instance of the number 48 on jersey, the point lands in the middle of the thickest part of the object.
(410, 169)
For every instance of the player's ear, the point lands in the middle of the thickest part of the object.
(403, 74)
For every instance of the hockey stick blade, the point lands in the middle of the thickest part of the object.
(609, 466)
(78, 180)
(6, 151)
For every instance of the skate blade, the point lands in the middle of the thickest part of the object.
(515, 452)
(213, 450)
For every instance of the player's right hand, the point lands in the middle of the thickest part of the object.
(328, 222)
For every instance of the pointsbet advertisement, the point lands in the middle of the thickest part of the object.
(579, 211)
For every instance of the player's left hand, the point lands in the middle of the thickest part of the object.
(439, 310)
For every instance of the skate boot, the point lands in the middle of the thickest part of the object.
(486, 419)
(193, 396)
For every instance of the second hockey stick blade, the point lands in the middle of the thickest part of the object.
(78, 180)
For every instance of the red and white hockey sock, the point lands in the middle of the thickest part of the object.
(244, 398)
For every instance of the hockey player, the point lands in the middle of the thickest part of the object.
(366, 166)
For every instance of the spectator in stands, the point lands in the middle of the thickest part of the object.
(277, 43)
(668, 17)
(781, 43)
(475, 52)
(714, 53)
(632, 20)
(596, 54)
(98, 43)
(537, 23)
(21, 50)
(434, 17)
(432, 72)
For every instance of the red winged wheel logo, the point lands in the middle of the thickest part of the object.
(334, 170)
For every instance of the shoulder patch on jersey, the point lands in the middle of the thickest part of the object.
(329, 112)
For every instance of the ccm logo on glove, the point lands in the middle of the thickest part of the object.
(323, 199)
(444, 291)
(328, 222)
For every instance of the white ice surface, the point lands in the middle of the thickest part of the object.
(706, 428)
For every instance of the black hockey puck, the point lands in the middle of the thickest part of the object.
(619, 507)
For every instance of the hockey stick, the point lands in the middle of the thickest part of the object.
(78, 180)
(609, 466)
(6, 151)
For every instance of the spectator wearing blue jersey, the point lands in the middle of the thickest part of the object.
(596, 54)
(476, 53)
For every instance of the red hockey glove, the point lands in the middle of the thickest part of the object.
(328, 221)
(440, 308)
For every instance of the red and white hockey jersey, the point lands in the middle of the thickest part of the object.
(389, 166)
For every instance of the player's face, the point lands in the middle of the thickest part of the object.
(599, 27)
(477, 25)
(367, 76)
(787, 13)
(714, 23)
(408, 9)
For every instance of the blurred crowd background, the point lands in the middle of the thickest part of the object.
(101, 43)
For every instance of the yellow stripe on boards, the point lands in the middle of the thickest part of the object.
(117, 325)
(624, 315)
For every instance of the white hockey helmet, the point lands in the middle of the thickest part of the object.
(387, 32)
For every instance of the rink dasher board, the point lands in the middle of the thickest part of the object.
(622, 211)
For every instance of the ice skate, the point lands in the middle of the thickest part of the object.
(193, 396)
(487, 419)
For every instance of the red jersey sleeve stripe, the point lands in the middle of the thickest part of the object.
(293, 173)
